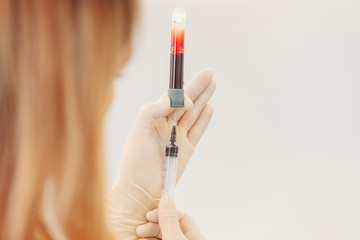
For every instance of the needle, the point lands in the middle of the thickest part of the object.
(175, 117)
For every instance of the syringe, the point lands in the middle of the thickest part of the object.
(169, 177)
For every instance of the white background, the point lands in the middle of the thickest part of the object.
(281, 157)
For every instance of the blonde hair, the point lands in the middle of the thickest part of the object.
(57, 62)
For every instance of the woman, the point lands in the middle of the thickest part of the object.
(58, 60)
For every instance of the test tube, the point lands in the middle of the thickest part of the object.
(176, 81)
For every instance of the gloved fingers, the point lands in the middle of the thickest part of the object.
(187, 224)
(149, 229)
(190, 228)
(159, 109)
(190, 117)
(200, 125)
(198, 83)
(152, 216)
(151, 238)
(169, 220)
(188, 104)
(152, 111)
(194, 88)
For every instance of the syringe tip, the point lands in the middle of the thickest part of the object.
(173, 134)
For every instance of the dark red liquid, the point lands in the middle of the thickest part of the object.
(176, 71)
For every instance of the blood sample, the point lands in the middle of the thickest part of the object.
(176, 92)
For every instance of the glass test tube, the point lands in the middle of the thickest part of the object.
(176, 81)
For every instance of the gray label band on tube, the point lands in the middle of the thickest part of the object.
(176, 97)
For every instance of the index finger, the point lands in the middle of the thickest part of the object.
(194, 89)
(152, 216)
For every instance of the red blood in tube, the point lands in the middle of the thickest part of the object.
(177, 40)
(177, 58)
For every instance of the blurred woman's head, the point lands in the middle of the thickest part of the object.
(58, 60)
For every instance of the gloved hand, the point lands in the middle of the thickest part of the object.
(140, 177)
(167, 223)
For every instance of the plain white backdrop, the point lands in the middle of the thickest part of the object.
(281, 157)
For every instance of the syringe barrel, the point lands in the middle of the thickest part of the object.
(169, 173)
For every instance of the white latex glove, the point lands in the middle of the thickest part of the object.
(167, 223)
(139, 181)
